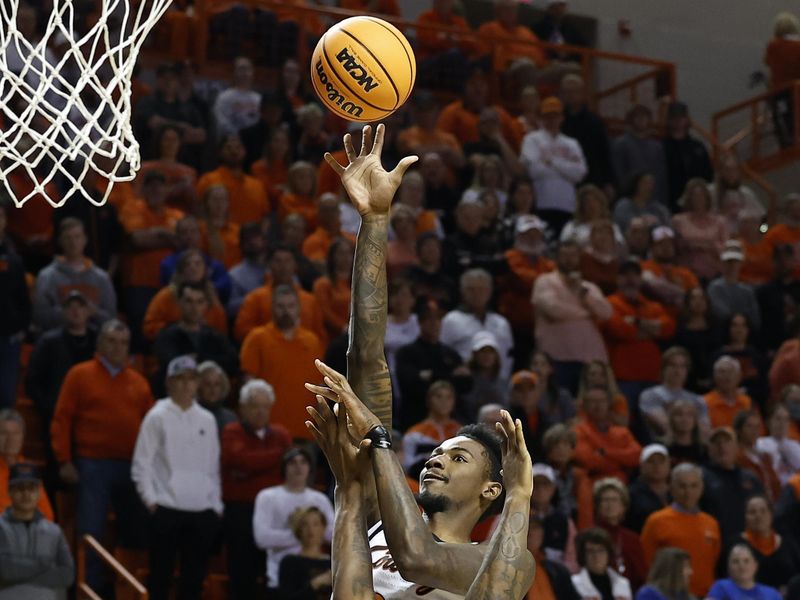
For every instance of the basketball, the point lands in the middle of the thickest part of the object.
(363, 69)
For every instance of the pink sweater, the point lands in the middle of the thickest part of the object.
(566, 328)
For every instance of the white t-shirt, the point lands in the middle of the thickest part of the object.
(386, 579)
(274, 506)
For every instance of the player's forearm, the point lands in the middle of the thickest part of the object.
(367, 370)
(508, 568)
(351, 564)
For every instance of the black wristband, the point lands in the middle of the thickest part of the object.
(380, 437)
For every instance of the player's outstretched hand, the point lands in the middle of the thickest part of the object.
(338, 389)
(369, 186)
(329, 428)
(517, 466)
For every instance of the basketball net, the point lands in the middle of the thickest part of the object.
(65, 99)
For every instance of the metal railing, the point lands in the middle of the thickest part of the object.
(84, 591)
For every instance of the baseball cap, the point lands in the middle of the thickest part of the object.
(723, 430)
(23, 473)
(484, 339)
(732, 251)
(652, 449)
(521, 377)
(544, 470)
(180, 365)
(528, 222)
(74, 295)
(662, 233)
(551, 105)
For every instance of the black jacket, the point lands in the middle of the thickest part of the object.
(590, 131)
(686, 158)
(206, 344)
(644, 502)
(560, 580)
(725, 496)
(15, 302)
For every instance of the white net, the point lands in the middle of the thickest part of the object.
(65, 97)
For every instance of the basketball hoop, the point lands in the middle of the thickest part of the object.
(65, 105)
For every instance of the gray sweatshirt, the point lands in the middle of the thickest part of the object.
(57, 279)
(35, 562)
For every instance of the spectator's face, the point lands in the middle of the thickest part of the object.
(655, 468)
(193, 305)
(491, 417)
(412, 192)
(312, 531)
(73, 242)
(476, 90)
(560, 453)
(430, 327)
(243, 73)
(610, 506)
(401, 301)
(522, 199)
(568, 258)
(194, 268)
(257, 410)
(217, 203)
(784, 264)
(182, 387)
(750, 431)
(573, 93)
(76, 314)
(343, 257)
(283, 267)
(543, 492)
(683, 419)
(298, 470)
(552, 122)
(279, 143)
(664, 250)
(12, 436)
(486, 358)
(24, 496)
(303, 181)
(293, 231)
(430, 252)
(432, 169)
(491, 208)
(698, 200)
(642, 122)
(188, 233)
(541, 366)
(290, 74)
(470, 218)
(730, 173)
(757, 516)
(596, 375)
(155, 194)
(698, 304)
(114, 347)
(211, 387)
(742, 566)
(731, 269)
(285, 311)
(602, 239)
(475, 293)
(779, 423)
(405, 227)
(170, 143)
(525, 394)
(530, 242)
(595, 404)
(529, 100)
(328, 214)
(596, 558)
(232, 152)
(442, 402)
(722, 450)
(629, 283)
(676, 371)
(645, 186)
(638, 237)
(727, 377)
(687, 488)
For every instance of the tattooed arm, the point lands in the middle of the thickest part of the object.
(508, 567)
(371, 190)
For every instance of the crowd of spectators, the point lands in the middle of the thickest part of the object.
(617, 294)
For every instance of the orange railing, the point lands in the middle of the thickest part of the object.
(123, 575)
(750, 128)
(616, 80)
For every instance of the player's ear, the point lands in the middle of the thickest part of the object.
(492, 491)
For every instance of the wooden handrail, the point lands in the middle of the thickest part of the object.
(753, 100)
(108, 559)
(628, 83)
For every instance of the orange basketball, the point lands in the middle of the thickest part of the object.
(363, 69)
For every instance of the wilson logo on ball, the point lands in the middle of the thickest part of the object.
(356, 71)
(334, 95)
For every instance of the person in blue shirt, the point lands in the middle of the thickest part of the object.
(741, 582)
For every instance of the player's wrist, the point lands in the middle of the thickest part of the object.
(380, 438)
(378, 218)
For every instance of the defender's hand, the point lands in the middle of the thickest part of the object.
(361, 419)
(366, 182)
(517, 466)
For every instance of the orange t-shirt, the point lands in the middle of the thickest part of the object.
(163, 310)
(43, 504)
(431, 41)
(505, 45)
(676, 274)
(610, 453)
(35, 217)
(142, 267)
(781, 234)
(121, 194)
(415, 136)
(231, 252)
(516, 288)
(97, 415)
(785, 367)
(272, 175)
(463, 124)
(334, 301)
(287, 365)
(541, 589)
(256, 310)
(698, 534)
(758, 266)
(783, 59)
(315, 246)
(247, 196)
(720, 413)
(294, 203)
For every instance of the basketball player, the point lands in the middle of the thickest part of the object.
(461, 482)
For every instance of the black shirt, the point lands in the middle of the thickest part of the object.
(590, 131)
(686, 158)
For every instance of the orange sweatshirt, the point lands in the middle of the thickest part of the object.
(163, 310)
(698, 534)
(720, 413)
(611, 453)
(98, 416)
